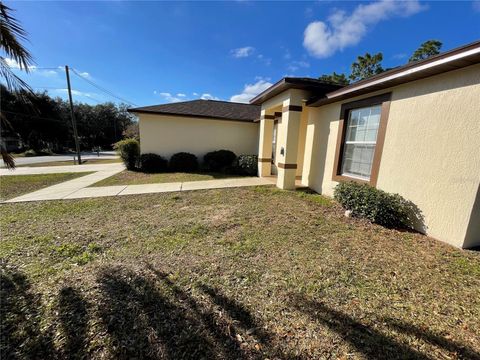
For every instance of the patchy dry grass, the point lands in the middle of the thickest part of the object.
(71, 162)
(15, 185)
(128, 177)
(248, 273)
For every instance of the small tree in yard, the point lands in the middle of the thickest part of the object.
(129, 151)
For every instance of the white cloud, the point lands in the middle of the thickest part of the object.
(295, 65)
(195, 94)
(12, 63)
(77, 93)
(181, 95)
(168, 97)
(323, 39)
(242, 52)
(251, 90)
(207, 96)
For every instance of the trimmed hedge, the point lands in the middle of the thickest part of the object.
(153, 163)
(247, 165)
(218, 160)
(183, 161)
(365, 201)
(129, 151)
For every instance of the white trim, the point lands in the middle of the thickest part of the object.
(355, 176)
(413, 70)
(361, 142)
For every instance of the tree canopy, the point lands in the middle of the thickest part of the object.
(366, 66)
(47, 125)
(427, 49)
(335, 78)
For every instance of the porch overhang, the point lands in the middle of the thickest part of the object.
(314, 86)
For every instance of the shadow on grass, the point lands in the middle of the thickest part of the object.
(73, 318)
(372, 343)
(143, 321)
(145, 315)
(20, 316)
(170, 323)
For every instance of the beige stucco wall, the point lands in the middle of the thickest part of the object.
(167, 135)
(431, 153)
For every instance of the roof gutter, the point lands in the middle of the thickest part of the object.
(457, 58)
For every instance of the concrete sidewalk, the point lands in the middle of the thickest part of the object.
(78, 188)
(62, 169)
(64, 189)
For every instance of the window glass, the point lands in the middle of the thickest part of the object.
(360, 140)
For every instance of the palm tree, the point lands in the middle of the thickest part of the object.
(11, 33)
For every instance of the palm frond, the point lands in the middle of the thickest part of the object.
(8, 159)
(10, 34)
(12, 81)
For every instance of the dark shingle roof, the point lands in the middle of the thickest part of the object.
(212, 109)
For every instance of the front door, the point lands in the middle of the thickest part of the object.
(274, 147)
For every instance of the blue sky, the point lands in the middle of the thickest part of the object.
(158, 52)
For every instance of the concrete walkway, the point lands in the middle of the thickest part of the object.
(78, 188)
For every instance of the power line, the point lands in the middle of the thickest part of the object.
(102, 88)
(79, 93)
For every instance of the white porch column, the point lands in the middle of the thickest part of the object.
(287, 163)
(265, 144)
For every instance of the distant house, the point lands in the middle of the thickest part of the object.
(197, 127)
(413, 130)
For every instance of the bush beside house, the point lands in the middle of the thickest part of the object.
(246, 165)
(183, 162)
(214, 161)
(153, 163)
(129, 151)
(218, 160)
(380, 207)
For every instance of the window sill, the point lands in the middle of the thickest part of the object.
(344, 178)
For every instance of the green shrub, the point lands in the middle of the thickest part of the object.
(390, 210)
(129, 151)
(153, 163)
(247, 165)
(183, 162)
(218, 160)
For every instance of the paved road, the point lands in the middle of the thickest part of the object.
(42, 159)
(62, 169)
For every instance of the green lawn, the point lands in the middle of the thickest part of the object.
(70, 162)
(15, 185)
(127, 177)
(245, 273)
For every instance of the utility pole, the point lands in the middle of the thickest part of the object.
(74, 123)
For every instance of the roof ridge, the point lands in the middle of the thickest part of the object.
(229, 102)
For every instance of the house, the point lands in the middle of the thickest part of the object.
(197, 127)
(413, 130)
